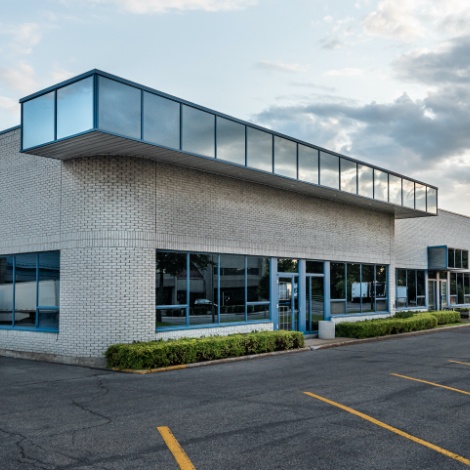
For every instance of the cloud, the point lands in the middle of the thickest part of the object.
(143, 7)
(23, 37)
(445, 65)
(283, 66)
(21, 78)
(406, 20)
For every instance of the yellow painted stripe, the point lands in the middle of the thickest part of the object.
(432, 383)
(458, 362)
(445, 452)
(178, 453)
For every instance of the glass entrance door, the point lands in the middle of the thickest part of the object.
(314, 303)
(443, 294)
(432, 294)
(288, 303)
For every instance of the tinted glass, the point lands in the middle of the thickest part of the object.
(258, 281)
(75, 108)
(366, 187)
(308, 164)
(329, 170)
(232, 288)
(465, 259)
(161, 121)
(198, 131)
(171, 278)
(408, 193)
(25, 290)
(381, 185)
(337, 281)
(230, 141)
(314, 267)
(287, 265)
(49, 279)
(203, 289)
(432, 200)
(119, 108)
(394, 189)
(38, 120)
(420, 192)
(356, 290)
(6, 290)
(348, 176)
(260, 150)
(285, 157)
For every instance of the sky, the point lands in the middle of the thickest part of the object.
(386, 82)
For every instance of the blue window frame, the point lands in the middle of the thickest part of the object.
(29, 291)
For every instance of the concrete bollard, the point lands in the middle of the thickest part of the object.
(326, 329)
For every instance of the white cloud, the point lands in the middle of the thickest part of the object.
(164, 6)
(345, 72)
(406, 20)
(59, 75)
(283, 66)
(21, 78)
(23, 37)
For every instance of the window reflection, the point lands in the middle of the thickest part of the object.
(198, 131)
(259, 150)
(38, 120)
(348, 176)
(161, 121)
(420, 195)
(25, 290)
(75, 108)
(6, 290)
(366, 181)
(232, 288)
(119, 108)
(432, 200)
(230, 141)
(308, 164)
(394, 189)
(380, 185)
(48, 289)
(329, 170)
(285, 157)
(408, 193)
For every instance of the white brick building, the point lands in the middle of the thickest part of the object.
(131, 215)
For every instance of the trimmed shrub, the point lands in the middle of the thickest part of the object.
(161, 353)
(386, 326)
(445, 317)
(404, 314)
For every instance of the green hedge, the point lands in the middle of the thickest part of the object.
(155, 354)
(397, 324)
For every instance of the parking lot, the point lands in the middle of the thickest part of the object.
(403, 403)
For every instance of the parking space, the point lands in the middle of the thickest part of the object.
(250, 414)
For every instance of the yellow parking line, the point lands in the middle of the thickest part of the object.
(458, 362)
(445, 452)
(178, 453)
(432, 383)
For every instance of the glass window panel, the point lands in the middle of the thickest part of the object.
(338, 307)
(260, 150)
(431, 200)
(329, 170)
(285, 157)
(314, 267)
(453, 284)
(203, 288)
(230, 141)
(411, 281)
(402, 293)
(75, 108)
(355, 289)
(394, 189)
(420, 289)
(232, 288)
(308, 164)
(380, 281)
(451, 257)
(465, 259)
(171, 278)
(198, 131)
(458, 258)
(460, 292)
(348, 176)
(48, 318)
(367, 279)
(287, 265)
(257, 278)
(161, 121)
(49, 279)
(366, 181)
(380, 185)
(408, 193)
(119, 108)
(420, 192)
(168, 317)
(38, 120)
(6, 290)
(25, 290)
(337, 281)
